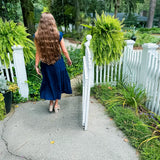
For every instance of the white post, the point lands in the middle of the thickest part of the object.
(89, 56)
(148, 50)
(128, 47)
(130, 44)
(87, 71)
(20, 69)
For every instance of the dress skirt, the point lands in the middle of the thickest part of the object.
(55, 80)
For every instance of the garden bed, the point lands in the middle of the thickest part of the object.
(126, 107)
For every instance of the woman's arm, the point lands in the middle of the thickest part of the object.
(65, 52)
(37, 59)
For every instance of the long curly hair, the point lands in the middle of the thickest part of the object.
(47, 39)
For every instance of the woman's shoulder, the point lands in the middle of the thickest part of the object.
(60, 35)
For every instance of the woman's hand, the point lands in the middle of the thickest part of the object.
(38, 70)
(69, 62)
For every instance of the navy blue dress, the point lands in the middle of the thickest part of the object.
(55, 79)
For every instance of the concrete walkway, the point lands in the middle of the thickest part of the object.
(29, 134)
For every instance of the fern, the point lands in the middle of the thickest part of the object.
(13, 34)
(107, 41)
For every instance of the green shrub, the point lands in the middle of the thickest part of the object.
(77, 62)
(107, 41)
(150, 30)
(14, 34)
(145, 38)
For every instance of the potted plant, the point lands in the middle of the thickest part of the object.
(6, 88)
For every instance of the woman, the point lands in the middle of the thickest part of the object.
(48, 41)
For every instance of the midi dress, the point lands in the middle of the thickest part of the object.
(55, 79)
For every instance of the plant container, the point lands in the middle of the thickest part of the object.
(8, 101)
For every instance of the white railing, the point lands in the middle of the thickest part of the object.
(7, 71)
(20, 70)
(141, 67)
(87, 82)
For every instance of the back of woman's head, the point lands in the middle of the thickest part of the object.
(47, 39)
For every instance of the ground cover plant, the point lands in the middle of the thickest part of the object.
(125, 104)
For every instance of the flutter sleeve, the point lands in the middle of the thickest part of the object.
(60, 36)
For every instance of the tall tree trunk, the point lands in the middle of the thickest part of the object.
(28, 16)
(116, 7)
(151, 13)
(77, 15)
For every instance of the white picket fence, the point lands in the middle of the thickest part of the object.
(20, 71)
(141, 67)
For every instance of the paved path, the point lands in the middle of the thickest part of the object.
(28, 133)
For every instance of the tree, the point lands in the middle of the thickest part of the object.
(116, 7)
(28, 16)
(151, 13)
(77, 14)
(9, 10)
(127, 6)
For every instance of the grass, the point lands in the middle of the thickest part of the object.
(135, 126)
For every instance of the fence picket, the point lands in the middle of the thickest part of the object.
(115, 75)
(155, 82)
(108, 72)
(97, 74)
(101, 74)
(104, 75)
(119, 71)
(157, 106)
(1, 68)
(6, 70)
(10, 67)
(112, 72)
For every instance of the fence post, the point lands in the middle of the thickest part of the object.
(148, 50)
(20, 69)
(127, 48)
(130, 44)
(90, 60)
(87, 63)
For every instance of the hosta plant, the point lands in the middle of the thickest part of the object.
(14, 34)
(107, 39)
